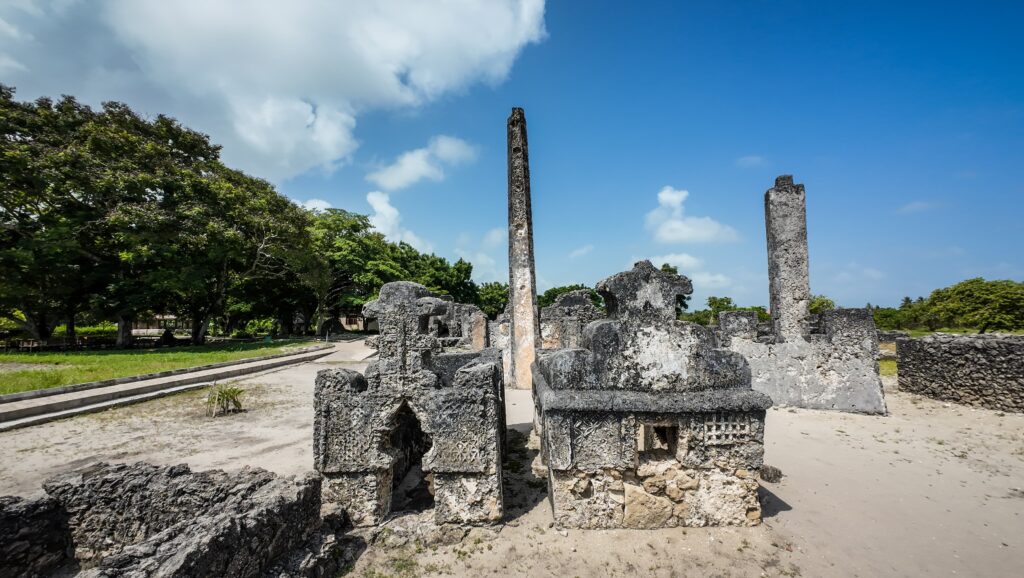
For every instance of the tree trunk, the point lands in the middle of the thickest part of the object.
(70, 330)
(124, 331)
(38, 325)
(199, 324)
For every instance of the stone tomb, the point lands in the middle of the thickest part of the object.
(421, 429)
(648, 425)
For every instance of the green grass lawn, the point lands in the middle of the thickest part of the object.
(887, 367)
(57, 369)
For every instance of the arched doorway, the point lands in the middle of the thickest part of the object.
(412, 488)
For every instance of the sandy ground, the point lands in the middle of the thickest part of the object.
(934, 489)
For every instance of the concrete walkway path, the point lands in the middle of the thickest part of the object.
(28, 412)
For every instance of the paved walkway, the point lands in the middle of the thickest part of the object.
(39, 410)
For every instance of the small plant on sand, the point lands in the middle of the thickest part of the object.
(223, 399)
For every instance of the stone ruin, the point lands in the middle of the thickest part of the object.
(647, 424)
(420, 429)
(817, 362)
(985, 370)
(109, 521)
(562, 323)
(462, 326)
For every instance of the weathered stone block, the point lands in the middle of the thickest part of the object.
(417, 411)
(633, 421)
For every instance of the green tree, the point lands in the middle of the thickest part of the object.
(492, 298)
(979, 304)
(820, 304)
(666, 268)
(548, 297)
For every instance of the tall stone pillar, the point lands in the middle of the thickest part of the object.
(785, 215)
(522, 283)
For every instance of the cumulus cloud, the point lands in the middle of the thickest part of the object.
(388, 220)
(423, 163)
(316, 205)
(684, 261)
(751, 161)
(916, 207)
(580, 251)
(669, 223)
(280, 84)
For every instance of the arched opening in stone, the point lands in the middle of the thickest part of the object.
(412, 488)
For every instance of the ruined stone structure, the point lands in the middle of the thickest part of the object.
(562, 323)
(826, 362)
(124, 520)
(462, 326)
(648, 425)
(981, 370)
(421, 428)
(524, 329)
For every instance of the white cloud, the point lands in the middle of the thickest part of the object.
(705, 280)
(854, 272)
(423, 163)
(316, 205)
(487, 255)
(580, 251)
(684, 261)
(751, 161)
(496, 237)
(669, 224)
(280, 84)
(916, 207)
(387, 220)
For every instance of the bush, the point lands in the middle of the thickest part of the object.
(101, 329)
(223, 399)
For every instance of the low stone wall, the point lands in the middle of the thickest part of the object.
(34, 537)
(980, 370)
(891, 336)
(142, 520)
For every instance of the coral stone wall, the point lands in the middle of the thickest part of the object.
(981, 370)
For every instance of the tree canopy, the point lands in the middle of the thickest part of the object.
(107, 215)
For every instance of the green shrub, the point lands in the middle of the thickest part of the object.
(223, 399)
(101, 329)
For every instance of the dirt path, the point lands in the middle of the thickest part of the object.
(933, 489)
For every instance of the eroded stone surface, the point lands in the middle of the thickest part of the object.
(980, 370)
(414, 407)
(818, 362)
(649, 424)
(137, 520)
(524, 326)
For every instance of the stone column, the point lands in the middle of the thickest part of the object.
(785, 215)
(522, 283)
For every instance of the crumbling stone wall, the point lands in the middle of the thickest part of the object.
(462, 326)
(891, 336)
(34, 536)
(649, 424)
(981, 370)
(129, 520)
(819, 362)
(562, 323)
(453, 401)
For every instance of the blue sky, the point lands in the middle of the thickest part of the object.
(905, 122)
